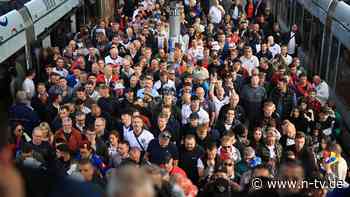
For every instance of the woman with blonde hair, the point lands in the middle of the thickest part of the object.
(48, 135)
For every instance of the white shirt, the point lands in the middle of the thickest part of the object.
(117, 61)
(287, 59)
(196, 53)
(62, 72)
(292, 44)
(342, 169)
(290, 142)
(29, 87)
(250, 64)
(126, 130)
(275, 49)
(235, 13)
(215, 15)
(322, 92)
(95, 95)
(144, 138)
(219, 103)
(168, 84)
(186, 112)
(272, 151)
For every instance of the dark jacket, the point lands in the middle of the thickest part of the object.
(308, 159)
(24, 114)
(41, 108)
(220, 126)
(239, 112)
(286, 38)
(252, 100)
(284, 102)
(109, 105)
(264, 152)
(188, 162)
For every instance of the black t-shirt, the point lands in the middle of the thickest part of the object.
(157, 153)
(188, 162)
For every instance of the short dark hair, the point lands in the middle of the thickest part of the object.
(81, 89)
(85, 162)
(125, 143)
(190, 136)
(30, 72)
(299, 135)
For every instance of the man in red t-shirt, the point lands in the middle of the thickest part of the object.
(169, 165)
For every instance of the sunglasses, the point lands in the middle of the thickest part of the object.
(226, 147)
(228, 164)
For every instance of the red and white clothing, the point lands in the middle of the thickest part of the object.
(101, 78)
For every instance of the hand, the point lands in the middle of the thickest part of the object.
(327, 167)
(211, 162)
(10, 181)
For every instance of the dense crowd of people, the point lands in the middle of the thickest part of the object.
(229, 101)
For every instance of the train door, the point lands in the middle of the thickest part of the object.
(299, 16)
(316, 42)
(291, 13)
(283, 8)
(333, 62)
(305, 30)
(12, 73)
(343, 77)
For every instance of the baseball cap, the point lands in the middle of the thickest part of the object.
(187, 75)
(103, 86)
(171, 71)
(165, 134)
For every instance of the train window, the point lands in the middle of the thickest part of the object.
(299, 17)
(343, 78)
(306, 30)
(316, 40)
(284, 11)
(333, 62)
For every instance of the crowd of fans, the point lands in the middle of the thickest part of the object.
(229, 102)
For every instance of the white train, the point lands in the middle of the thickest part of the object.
(32, 23)
(325, 28)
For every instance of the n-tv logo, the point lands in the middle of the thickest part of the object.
(3, 21)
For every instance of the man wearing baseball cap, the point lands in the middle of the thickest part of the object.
(159, 148)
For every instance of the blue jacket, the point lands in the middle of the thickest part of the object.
(97, 163)
(25, 115)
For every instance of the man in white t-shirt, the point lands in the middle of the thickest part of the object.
(194, 107)
(274, 48)
(249, 61)
(139, 137)
(28, 84)
(220, 99)
(216, 12)
(113, 57)
(286, 58)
